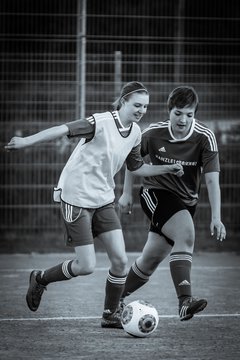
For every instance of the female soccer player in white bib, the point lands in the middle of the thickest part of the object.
(86, 193)
(170, 202)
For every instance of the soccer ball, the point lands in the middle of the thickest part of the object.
(139, 318)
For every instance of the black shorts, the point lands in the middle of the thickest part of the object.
(160, 206)
(83, 225)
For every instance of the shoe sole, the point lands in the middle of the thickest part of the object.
(111, 324)
(197, 310)
(29, 304)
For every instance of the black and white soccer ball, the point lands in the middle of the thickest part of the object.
(139, 318)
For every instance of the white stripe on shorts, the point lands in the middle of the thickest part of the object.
(150, 204)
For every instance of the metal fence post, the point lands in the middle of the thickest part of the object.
(81, 59)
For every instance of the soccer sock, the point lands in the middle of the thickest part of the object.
(135, 279)
(57, 273)
(113, 290)
(180, 267)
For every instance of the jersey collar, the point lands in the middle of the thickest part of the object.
(173, 140)
(123, 131)
(120, 125)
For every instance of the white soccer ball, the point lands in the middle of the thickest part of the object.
(139, 318)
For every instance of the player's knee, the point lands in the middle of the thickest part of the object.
(190, 242)
(83, 268)
(186, 237)
(189, 238)
(119, 264)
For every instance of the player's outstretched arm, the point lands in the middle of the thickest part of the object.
(154, 170)
(52, 133)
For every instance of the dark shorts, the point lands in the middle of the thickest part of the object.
(160, 206)
(83, 225)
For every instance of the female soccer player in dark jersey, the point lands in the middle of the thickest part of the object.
(170, 202)
(86, 193)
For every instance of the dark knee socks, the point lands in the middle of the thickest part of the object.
(113, 291)
(180, 267)
(135, 279)
(59, 272)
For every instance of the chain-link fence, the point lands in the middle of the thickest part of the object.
(63, 59)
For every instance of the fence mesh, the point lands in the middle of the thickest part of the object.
(63, 59)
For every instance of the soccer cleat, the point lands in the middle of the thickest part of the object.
(35, 291)
(191, 306)
(111, 319)
(121, 306)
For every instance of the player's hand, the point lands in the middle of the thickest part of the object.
(217, 227)
(177, 170)
(125, 203)
(16, 143)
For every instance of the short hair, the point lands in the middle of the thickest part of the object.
(183, 96)
(127, 90)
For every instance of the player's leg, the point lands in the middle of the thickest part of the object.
(153, 253)
(174, 220)
(107, 228)
(114, 244)
(180, 227)
(83, 264)
(78, 236)
(155, 250)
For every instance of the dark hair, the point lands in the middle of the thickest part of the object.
(126, 92)
(181, 97)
